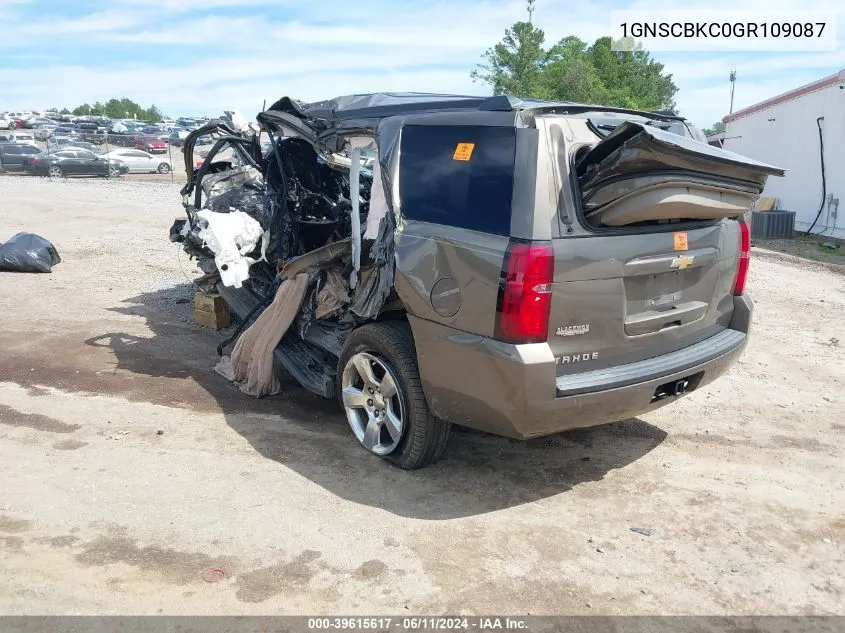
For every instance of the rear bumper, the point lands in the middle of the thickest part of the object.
(512, 390)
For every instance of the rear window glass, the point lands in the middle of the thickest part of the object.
(459, 176)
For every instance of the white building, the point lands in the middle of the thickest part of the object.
(784, 131)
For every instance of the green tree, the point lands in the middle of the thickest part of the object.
(572, 70)
(118, 109)
(515, 65)
(717, 127)
(569, 74)
(632, 78)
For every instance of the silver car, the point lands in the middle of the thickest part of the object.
(43, 132)
(140, 162)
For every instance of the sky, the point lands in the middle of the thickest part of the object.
(199, 57)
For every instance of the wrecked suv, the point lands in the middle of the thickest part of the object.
(516, 267)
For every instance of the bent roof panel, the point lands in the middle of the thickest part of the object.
(385, 104)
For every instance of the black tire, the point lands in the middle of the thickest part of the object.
(163, 168)
(424, 436)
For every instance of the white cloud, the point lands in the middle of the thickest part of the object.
(203, 55)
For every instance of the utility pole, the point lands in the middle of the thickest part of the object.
(733, 83)
(530, 4)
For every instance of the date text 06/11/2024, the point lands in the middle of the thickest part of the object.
(417, 624)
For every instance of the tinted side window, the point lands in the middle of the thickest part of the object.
(10, 149)
(458, 175)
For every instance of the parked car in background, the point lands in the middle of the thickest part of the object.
(83, 145)
(55, 144)
(65, 130)
(73, 162)
(156, 131)
(20, 138)
(44, 131)
(121, 140)
(150, 144)
(56, 140)
(88, 131)
(12, 155)
(177, 136)
(7, 122)
(140, 162)
(34, 122)
(20, 117)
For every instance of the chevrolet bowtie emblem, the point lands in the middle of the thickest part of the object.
(682, 262)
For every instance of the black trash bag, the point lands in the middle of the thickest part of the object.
(28, 253)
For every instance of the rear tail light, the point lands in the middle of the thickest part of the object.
(744, 258)
(525, 293)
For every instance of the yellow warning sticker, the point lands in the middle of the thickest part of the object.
(681, 242)
(463, 151)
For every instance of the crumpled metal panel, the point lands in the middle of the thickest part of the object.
(632, 150)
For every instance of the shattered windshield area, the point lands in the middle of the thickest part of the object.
(603, 123)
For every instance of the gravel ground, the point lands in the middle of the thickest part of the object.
(130, 468)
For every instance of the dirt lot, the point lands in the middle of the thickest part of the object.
(130, 469)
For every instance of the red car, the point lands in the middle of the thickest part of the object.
(150, 144)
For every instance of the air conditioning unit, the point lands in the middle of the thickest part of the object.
(772, 225)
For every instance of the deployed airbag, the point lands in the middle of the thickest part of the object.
(231, 237)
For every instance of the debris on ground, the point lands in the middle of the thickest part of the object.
(224, 368)
(28, 253)
(211, 310)
(214, 574)
(644, 531)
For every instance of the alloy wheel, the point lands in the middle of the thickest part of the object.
(55, 171)
(372, 403)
